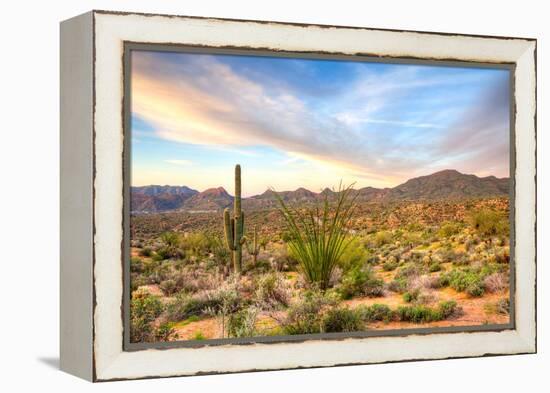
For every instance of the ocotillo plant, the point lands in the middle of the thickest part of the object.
(319, 236)
(254, 248)
(234, 226)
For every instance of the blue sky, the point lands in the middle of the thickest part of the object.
(311, 123)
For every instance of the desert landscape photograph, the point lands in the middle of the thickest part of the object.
(284, 196)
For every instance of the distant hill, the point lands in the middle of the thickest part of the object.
(446, 184)
(211, 199)
(156, 198)
(449, 184)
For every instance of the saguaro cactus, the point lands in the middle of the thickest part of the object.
(234, 226)
(254, 248)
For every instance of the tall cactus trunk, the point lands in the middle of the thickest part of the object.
(234, 226)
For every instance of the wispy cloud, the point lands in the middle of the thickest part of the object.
(383, 123)
(179, 162)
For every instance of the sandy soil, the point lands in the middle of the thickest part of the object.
(473, 313)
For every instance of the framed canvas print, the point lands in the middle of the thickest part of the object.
(245, 195)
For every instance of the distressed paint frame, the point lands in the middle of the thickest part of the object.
(109, 360)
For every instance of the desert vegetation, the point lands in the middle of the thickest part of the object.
(340, 264)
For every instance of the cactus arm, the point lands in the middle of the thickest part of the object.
(228, 230)
(232, 228)
(242, 223)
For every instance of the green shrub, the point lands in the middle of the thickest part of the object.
(161, 254)
(447, 308)
(169, 287)
(136, 265)
(464, 280)
(355, 255)
(171, 241)
(449, 229)
(305, 316)
(489, 222)
(223, 300)
(382, 238)
(199, 336)
(411, 296)
(360, 281)
(220, 251)
(154, 271)
(412, 238)
(144, 309)
(423, 314)
(242, 323)
(390, 264)
(146, 252)
(434, 267)
(375, 312)
(449, 255)
(272, 291)
(418, 314)
(409, 270)
(164, 332)
(342, 319)
(197, 244)
(399, 285)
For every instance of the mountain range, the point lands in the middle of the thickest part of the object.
(446, 184)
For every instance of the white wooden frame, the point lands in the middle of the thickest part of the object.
(92, 195)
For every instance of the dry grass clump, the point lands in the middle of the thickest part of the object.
(496, 282)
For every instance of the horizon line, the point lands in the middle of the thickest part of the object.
(323, 188)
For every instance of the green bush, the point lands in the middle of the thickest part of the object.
(489, 222)
(199, 336)
(306, 315)
(163, 332)
(464, 280)
(136, 265)
(434, 267)
(382, 238)
(375, 312)
(447, 308)
(171, 241)
(197, 244)
(162, 254)
(423, 314)
(411, 296)
(449, 255)
(355, 255)
(144, 309)
(242, 323)
(399, 285)
(224, 300)
(220, 251)
(418, 314)
(360, 281)
(146, 252)
(449, 229)
(409, 270)
(272, 291)
(169, 287)
(390, 264)
(342, 319)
